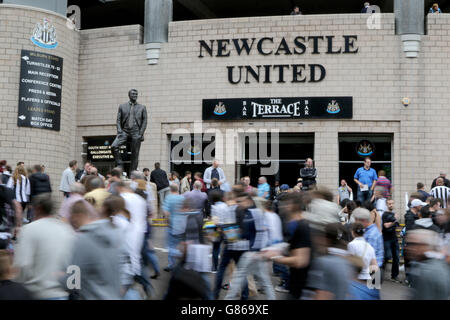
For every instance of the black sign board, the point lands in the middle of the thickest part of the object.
(99, 149)
(40, 90)
(278, 108)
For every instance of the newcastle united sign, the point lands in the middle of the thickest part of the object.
(40, 90)
(293, 72)
(278, 108)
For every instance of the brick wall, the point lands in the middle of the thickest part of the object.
(51, 148)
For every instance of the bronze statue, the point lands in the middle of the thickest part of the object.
(131, 124)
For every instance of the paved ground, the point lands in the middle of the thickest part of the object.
(389, 290)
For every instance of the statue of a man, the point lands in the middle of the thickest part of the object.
(131, 124)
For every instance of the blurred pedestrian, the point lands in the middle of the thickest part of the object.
(430, 277)
(137, 207)
(96, 252)
(299, 255)
(331, 273)
(77, 191)
(197, 197)
(44, 248)
(371, 233)
(172, 206)
(68, 178)
(361, 248)
(9, 289)
(97, 193)
(251, 262)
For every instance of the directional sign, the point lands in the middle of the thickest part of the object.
(40, 90)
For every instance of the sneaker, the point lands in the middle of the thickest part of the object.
(281, 289)
(396, 280)
(155, 276)
(167, 269)
(226, 286)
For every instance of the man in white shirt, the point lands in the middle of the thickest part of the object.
(68, 178)
(380, 200)
(214, 172)
(137, 207)
(44, 248)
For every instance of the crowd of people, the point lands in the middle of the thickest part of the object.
(98, 244)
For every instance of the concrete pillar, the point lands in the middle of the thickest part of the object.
(410, 24)
(158, 14)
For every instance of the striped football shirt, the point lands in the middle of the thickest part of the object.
(441, 192)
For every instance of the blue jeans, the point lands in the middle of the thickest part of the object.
(205, 277)
(284, 273)
(364, 195)
(215, 254)
(391, 250)
(149, 257)
(174, 253)
(227, 256)
(132, 294)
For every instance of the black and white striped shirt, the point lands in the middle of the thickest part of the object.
(21, 189)
(441, 192)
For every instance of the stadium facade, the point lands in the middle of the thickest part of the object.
(336, 88)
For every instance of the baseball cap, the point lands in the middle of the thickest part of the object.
(417, 203)
(299, 180)
(284, 187)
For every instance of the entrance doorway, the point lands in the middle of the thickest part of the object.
(353, 148)
(193, 154)
(293, 149)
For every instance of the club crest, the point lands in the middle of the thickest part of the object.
(44, 35)
(333, 107)
(220, 109)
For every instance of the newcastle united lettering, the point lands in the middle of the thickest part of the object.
(280, 73)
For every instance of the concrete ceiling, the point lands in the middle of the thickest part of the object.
(100, 13)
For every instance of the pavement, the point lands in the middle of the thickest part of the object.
(389, 290)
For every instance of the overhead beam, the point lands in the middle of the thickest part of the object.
(198, 8)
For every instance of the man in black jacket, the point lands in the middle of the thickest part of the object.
(39, 182)
(308, 174)
(160, 178)
(391, 248)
